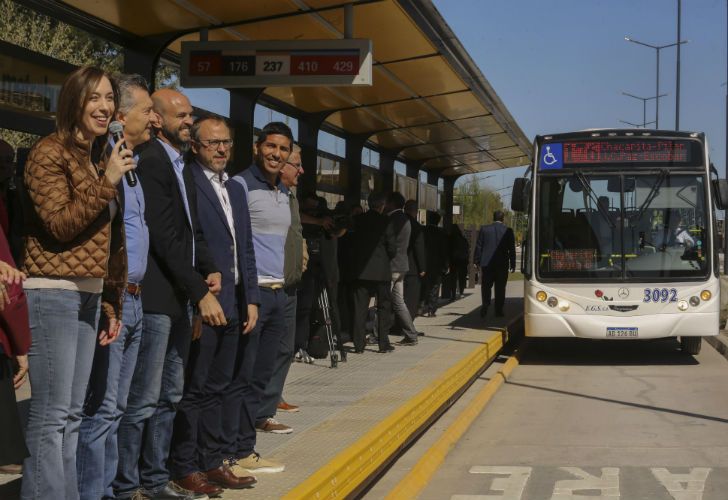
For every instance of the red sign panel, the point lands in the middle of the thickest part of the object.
(315, 64)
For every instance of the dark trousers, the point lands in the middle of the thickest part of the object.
(412, 290)
(432, 292)
(362, 290)
(13, 449)
(305, 303)
(460, 270)
(198, 439)
(498, 276)
(254, 365)
(346, 309)
(274, 391)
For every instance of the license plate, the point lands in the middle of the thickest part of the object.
(622, 332)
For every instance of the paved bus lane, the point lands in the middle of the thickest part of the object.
(597, 419)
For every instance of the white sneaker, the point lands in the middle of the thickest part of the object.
(254, 464)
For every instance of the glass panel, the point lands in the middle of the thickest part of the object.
(578, 227)
(666, 235)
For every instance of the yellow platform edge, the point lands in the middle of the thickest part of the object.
(347, 472)
(423, 471)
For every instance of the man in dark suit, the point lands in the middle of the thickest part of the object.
(495, 253)
(402, 230)
(374, 245)
(416, 256)
(222, 209)
(180, 275)
(438, 261)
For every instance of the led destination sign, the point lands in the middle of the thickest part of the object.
(627, 151)
(635, 152)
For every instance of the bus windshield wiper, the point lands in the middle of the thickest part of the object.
(653, 193)
(593, 196)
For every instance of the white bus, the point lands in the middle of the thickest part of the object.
(622, 241)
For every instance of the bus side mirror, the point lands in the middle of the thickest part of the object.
(521, 191)
(720, 191)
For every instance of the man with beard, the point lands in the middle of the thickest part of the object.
(270, 218)
(180, 275)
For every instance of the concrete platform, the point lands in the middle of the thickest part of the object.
(341, 406)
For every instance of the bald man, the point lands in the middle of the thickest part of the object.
(181, 277)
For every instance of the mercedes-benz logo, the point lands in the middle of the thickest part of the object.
(623, 293)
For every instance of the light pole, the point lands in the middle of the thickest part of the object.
(657, 48)
(644, 106)
(636, 125)
(677, 68)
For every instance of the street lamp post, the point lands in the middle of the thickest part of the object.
(644, 106)
(657, 48)
(637, 125)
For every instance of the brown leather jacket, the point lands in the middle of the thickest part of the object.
(68, 227)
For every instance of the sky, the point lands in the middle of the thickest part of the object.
(562, 65)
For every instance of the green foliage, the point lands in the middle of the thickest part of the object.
(477, 203)
(51, 37)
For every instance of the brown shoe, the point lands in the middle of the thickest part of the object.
(197, 483)
(223, 476)
(288, 407)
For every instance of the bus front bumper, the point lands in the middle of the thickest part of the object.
(691, 324)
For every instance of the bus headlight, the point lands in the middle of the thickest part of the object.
(683, 305)
(564, 306)
(705, 295)
(694, 301)
(541, 296)
(552, 302)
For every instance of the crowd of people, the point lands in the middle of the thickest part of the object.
(160, 303)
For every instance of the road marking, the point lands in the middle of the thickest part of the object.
(688, 486)
(511, 486)
(673, 483)
(607, 484)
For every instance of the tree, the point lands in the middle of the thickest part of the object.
(478, 203)
(37, 32)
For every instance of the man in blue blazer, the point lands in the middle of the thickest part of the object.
(495, 254)
(222, 210)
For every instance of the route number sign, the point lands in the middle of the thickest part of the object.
(287, 63)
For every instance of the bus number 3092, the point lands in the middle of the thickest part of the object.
(660, 295)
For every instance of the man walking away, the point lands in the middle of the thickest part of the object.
(417, 264)
(495, 253)
(402, 230)
(374, 245)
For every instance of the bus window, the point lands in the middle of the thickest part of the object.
(666, 235)
(578, 225)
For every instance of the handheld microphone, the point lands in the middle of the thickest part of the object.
(116, 129)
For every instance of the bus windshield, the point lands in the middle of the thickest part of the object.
(622, 225)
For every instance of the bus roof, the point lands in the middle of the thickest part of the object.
(621, 132)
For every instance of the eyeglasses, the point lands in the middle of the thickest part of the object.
(297, 166)
(215, 143)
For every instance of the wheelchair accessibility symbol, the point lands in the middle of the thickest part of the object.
(552, 156)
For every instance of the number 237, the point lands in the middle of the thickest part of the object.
(660, 295)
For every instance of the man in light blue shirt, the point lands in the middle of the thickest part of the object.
(115, 358)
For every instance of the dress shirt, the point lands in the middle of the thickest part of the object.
(218, 185)
(137, 233)
(178, 162)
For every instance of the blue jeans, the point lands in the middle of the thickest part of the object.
(63, 324)
(113, 367)
(145, 431)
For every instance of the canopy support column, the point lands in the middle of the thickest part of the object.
(242, 110)
(354, 148)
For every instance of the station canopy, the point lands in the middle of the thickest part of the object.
(428, 103)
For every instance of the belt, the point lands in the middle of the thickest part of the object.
(133, 289)
(272, 286)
